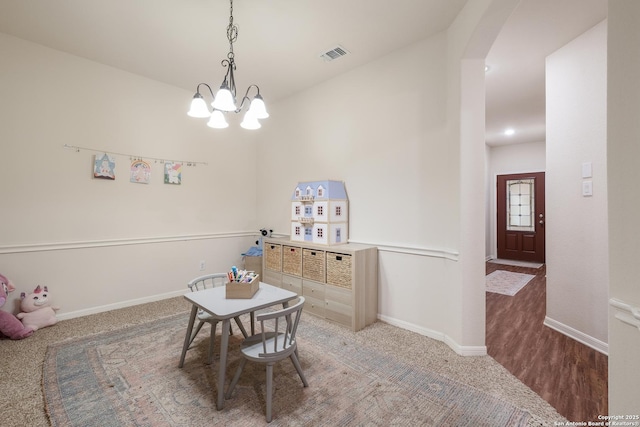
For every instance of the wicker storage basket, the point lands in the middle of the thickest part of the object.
(272, 256)
(313, 264)
(292, 260)
(339, 270)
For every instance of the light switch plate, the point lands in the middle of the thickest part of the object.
(587, 171)
(587, 188)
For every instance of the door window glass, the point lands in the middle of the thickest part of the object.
(520, 204)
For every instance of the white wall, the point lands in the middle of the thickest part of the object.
(342, 130)
(623, 152)
(399, 153)
(391, 149)
(97, 242)
(576, 226)
(504, 160)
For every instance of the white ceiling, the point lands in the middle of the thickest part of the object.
(515, 81)
(181, 42)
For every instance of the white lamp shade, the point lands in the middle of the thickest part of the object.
(250, 122)
(257, 108)
(198, 107)
(217, 120)
(224, 100)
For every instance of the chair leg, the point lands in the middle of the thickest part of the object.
(188, 345)
(193, 335)
(296, 363)
(187, 335)
(236, 377)
(252, 315)
(269, 390)
(241, 326)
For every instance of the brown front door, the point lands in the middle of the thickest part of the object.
(520, 212)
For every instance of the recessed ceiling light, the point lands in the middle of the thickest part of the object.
(509, 132)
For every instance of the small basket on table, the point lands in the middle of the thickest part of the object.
(243, 289)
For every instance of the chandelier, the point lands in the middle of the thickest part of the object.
(225, 99)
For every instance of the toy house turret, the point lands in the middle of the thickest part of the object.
(320, 213)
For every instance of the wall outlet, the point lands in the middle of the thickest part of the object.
(202, 265)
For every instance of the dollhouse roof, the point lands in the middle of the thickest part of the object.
(333, 190)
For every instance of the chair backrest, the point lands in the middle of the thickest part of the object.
(281, 340)
(208, 281)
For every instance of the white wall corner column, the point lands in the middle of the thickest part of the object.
(623, 153)
(472, 203)
(475, 29)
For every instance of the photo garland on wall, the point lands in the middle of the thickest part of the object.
(173, 173)
(104, 166)
(140, 172)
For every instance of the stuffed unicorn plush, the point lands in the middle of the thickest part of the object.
(37, 311)
(10, 326)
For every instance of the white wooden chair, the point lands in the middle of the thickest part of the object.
(271, 346)
(201, 283)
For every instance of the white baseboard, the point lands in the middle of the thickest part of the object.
(575, 334)
(122, 304)
(459, 349)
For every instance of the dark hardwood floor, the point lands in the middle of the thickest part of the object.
(572, 377)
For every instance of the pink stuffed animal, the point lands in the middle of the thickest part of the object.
(37, 311)
(10, 326)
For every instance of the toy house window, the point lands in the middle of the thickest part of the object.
(297, 230)
(309, 191)
(320, 191)
(338, 235)
(320, 210)
(298, 210)
(297, 192)
(320, 233)
(338, 210)
(307, 231)
(308, 211)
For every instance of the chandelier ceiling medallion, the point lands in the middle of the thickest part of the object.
(225, 99)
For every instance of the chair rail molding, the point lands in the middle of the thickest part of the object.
(451, 255)
(58, 246)
(626, 312)
(412, 250)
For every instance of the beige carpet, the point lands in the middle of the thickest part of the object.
(22, 361)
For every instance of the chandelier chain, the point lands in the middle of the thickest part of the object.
(232, 32)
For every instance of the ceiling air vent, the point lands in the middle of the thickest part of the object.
(334, 53)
